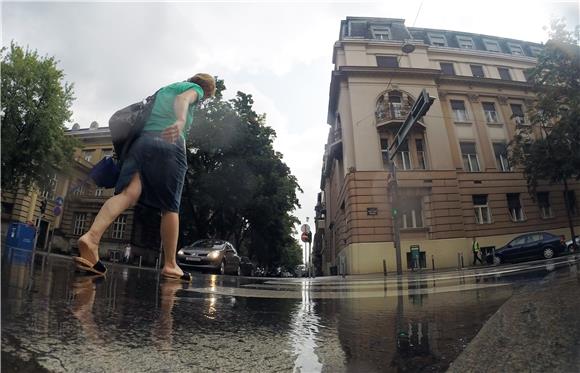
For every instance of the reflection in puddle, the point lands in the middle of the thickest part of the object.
(304, 331)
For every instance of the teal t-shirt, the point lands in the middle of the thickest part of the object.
(163, 113)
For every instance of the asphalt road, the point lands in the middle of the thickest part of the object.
(131, 321)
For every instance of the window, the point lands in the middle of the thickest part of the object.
(447, 68)
(411, 213)
(385, 151)
(357, 29)
(544, 204)
(88, 155)
(421, 157)
(536, 51)
(570, 200)
(481, 209)
(515, 207)
(477, 71)
(396, 104)
(437, 40)
(387, 61)
(79, 190)
(518, 114)
(99, 192)
(491, 45)
(459, 111)
(80, 219)
(381, 33)
(119, 226)
(500, 151)
(490, 113)
(107, 152)
(516, 49)
(504, 73)
(465, 42)
(403, 158)
(50, 190)
(469, 155)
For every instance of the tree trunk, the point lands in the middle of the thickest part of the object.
(569, 214)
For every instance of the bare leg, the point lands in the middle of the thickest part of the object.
(89, 242)
(169, 232)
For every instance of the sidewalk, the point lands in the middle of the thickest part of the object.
(536, 330)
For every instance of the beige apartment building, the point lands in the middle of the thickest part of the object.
(454, 179)
(81, 200)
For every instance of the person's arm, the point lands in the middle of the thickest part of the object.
(180, 107)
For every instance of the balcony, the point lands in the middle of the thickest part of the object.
(392, 107)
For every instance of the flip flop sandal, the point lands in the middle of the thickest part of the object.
(186, 277)
(85, 265)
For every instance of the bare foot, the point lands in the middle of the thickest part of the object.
(172, 271)
(88, 249)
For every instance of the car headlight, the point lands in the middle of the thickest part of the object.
(180, 252)
(214, 254)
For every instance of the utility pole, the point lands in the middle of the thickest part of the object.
(419, 109)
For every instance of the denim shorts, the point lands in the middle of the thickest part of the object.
(161, 166)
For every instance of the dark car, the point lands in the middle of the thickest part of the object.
(247, 268)
(214, 255)
(529, 246)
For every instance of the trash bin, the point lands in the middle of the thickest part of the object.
(20, 242)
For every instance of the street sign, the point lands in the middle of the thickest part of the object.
(59, 201)
(56, 210)
(420, 107)
(305, 228)
(304, 237)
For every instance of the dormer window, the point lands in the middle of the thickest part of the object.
(516, 49)
(465, 42)
(357, 29)
(491, 45)
(438, 40)
(381, 33)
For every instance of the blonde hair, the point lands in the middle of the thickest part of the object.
(206, 82)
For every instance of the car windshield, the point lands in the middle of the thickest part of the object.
(208, 244)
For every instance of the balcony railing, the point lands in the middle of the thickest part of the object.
(393, 106)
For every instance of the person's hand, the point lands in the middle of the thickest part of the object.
(171, 134)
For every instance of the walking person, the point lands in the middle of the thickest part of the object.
(476, 250)
(153, 173)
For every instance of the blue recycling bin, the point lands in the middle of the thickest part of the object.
(20, 241)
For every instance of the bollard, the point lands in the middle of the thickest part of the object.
(384, 267)
(458, 261)
(140, 257)
(433, 261)
(462, 264)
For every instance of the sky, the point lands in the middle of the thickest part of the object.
(280, 52)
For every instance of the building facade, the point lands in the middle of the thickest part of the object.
(72, 201)
(454, 178)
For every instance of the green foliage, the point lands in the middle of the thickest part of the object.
(237, 186)
(549, 149)
(35, 106)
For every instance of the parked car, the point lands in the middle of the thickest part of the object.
(247, 268)
(529, 246)
(571, 247)
(215, 255)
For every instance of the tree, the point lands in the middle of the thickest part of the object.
(549, 149)
(237, 186)
(35, 106)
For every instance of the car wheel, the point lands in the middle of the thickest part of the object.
(223, 267)
(548, 253)
(496, 260)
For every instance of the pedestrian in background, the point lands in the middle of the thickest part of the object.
(153, 173)
(476, 250)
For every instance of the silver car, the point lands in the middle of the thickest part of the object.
(570, 246)
(214, 255)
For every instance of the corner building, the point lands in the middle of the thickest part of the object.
(455, 181)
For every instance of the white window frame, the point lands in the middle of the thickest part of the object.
(80, 190)
(88, 155)
(546, 211)
(472, 160)
(384, 151)
(413, 217)
(479, 215)
(517, 215)
(516, 47)
(99, 192)
(119, 227)
(405, 160)
(487, 42)
(433, 35)
(504, 165)
(462, 39)
(79, 223)
(460, 115)
(421, 156)
(491, 117)
(381, 31)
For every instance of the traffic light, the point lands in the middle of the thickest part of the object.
(42, 206)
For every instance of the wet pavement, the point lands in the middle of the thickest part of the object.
(131, 321)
